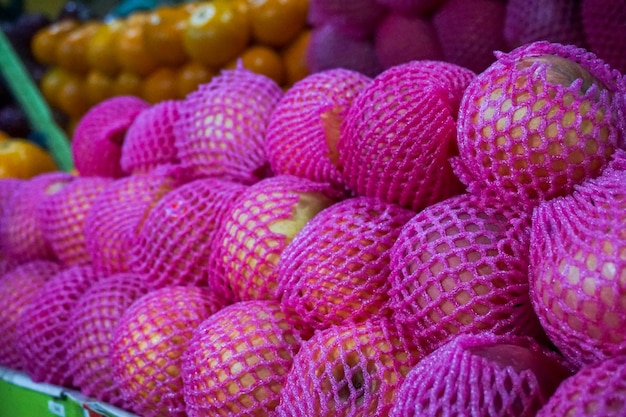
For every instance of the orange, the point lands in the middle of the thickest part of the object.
(20, 158)
(294, 58)
(277, 22)
(71, 52)
(44, 43)
(130, 50)
(4, 136)
(72, 97)
(163, 35)
(160, 85)
(98, 87)
(127, 84)
(190, 76)
(101, 51)
(217, 32)
(262, 60)
(51, 84)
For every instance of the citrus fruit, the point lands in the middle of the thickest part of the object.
(98, 86)
(127, 84)
(45, 41)
(277, 22)
(190, 76)
(101, 50)
(51, 84)
(20, 158)
(71, 51)
(160, 85)
(72, 97)
(294, 58)
(130, 50)
(262, 60)
(163, 35)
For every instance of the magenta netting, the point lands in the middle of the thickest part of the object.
(535, 20)
(21, 235)
(596, 390)
(7, 188)
(421, 7)
(354, 18)
(98, 137)
(469, 31)
(221, 130)
(260, 224)
(399, 133)
(44, 327)
(303, 130)
(149, 141)
(18, 288)
(94, 319)
(62, 218)
(238, 359)
(175, 244)
(577, 257)
(481, 376)
(603, 22)
(349, 370)
(461, 266)
(337, 268)
(7, 265)
(148, 346)
(118, 213)
(523, 135)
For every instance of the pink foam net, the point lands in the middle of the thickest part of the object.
(257, 229)
(62, 218)
(461, 266)
(338, 268)
(349, 370)
(520, 135)
(44, 327)
(596, 390)
(304, 128)
(221, 130)
(94, 319)
(603, 22)
(21, 235)
(238, 359)
(175, 243)
(399, 133)
(98, 137)
(7, 188)
(577, 246)
(149, 141)
(149, 342)
(481, 376)
(18, 288)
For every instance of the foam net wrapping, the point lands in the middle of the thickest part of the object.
(175, 244)
(598, 389)
(44, 326)
(62, 218)
(338, 267)
(522, 135)
(349, 370)
(98, 137)
(150, 139)
(399, 133)
(148, 345)
(603, 22)
(18, 288)
(419, 7)
(238, 359)
(481, 376)
(94, 318)
(461, 266)
(7, 188)
(303, 130)
(355, 18)
(21, 235)
(117, 214)
(221, 130)
(554, 20)
(262, 221)
(576, 264)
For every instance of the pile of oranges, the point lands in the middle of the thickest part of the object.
(167, 52)
(23, 159)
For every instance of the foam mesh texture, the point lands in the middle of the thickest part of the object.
(94, 318)
(399, 133)
(520, 135)
(7, 188)
(577, 247)
(304, 121)
(337, 268)
(598, 389)
(459, 379)
(62, 217)
(238, 359)
(175, 244)
(21, 234)
(461, 266)
(349, 370)
(148, 345)
(221, 130)
(44, 327)
(603, 23)
(150, 139)
(17, 288)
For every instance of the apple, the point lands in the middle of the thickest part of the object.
(603, 26)
(413, 7)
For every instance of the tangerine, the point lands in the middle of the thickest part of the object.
(160, 85)
(44, 43)
(72, 98)
(262, 60)
(127, 84)
(190, 76)
(294, 58)
(20, 158)
(51, 83)
(163, 35)
(98, 87)
(277, 22)
(101, 51)
(71, 52)
(130, 50)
